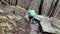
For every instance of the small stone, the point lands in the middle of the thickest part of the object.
(32, 30)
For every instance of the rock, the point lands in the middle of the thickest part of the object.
(45, 24)
(1, 11)
(33, 32)
(47, 27)
(35, 27)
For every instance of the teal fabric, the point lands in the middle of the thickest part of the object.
(32, 14)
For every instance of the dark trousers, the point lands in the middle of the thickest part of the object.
(31, 19)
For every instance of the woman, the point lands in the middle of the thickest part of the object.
(31, 15)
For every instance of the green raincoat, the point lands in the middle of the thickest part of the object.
(32, 14)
